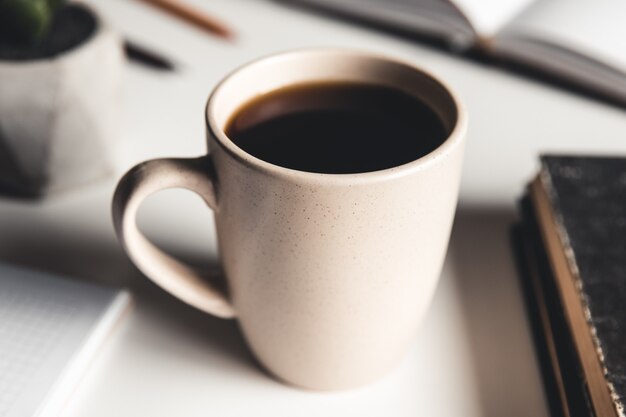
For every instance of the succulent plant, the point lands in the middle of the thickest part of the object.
(26, 21)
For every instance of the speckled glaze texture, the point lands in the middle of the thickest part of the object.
(329, 275)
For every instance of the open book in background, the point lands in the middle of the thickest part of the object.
(579, 42)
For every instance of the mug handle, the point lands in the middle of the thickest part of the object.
(184, 282)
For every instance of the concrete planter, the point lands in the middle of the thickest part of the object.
(59, 116)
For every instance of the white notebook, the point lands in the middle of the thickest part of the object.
(50, 329)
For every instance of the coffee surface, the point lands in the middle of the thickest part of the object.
(336, 128)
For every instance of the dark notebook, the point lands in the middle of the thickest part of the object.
(571, 247)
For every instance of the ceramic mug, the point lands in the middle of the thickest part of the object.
(328, 274)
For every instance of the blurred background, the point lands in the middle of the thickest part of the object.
(89, 89)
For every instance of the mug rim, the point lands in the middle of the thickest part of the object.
(451, 142)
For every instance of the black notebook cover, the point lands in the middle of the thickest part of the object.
(589, 196)
(588, 199)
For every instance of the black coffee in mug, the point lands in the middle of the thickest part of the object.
(337, 127)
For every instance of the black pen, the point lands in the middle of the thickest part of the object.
(146, 57)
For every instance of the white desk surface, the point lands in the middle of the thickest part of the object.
(473, 355)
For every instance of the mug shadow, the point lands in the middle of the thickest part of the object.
(183, 324)
(506, 374)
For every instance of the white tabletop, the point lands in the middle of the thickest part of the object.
(473, 355)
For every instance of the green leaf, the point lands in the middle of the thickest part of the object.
(24, 20)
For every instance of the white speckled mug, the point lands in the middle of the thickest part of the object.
(328, 274)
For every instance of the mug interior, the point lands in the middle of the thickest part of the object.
(325, 65)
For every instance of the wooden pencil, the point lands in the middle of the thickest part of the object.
(194, 16)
